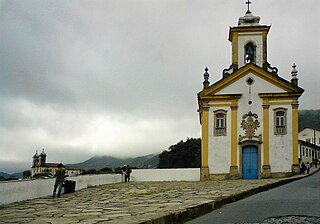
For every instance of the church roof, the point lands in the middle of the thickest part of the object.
(256, 70)
(55, 165)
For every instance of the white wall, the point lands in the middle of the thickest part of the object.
(219, 147)
(280, 146)
(13, 191)
(309, 133)
(187, 174)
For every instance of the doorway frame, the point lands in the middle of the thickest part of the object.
(258, 146)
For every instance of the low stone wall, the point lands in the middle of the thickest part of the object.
(186, 174)
(13, 191)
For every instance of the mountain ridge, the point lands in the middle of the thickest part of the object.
(100, 162)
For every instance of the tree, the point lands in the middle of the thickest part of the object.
(309, 118)
(26, 174)
(105, 170)
(182, 155)
(90, 171)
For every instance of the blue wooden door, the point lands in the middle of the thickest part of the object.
(250, 162)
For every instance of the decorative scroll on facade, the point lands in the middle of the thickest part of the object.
(250, 124)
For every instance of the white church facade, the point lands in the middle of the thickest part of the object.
(249, 118)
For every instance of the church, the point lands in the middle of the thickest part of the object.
(40, 167)
(249, 118)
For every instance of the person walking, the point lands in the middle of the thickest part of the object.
(308, 167)
(303, 168)
(60, 172)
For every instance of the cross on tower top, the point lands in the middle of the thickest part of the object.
(248, 3)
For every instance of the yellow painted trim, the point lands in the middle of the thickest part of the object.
(204, 139)
(265, 48)
(282, 96)
(235, 31)
(295, 133)
(280, 103)
(220, 105)
(234, 114)
(266, 135)
(251, 34)
(235, 49)
(222, 98)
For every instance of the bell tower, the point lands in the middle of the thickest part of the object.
(43, 158)
(249, 43)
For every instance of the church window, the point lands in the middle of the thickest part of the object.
(280, 121)
(249, 50)
(220, 123)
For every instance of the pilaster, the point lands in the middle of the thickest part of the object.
(295, 163)
(204, 142)
(234, 171)
(266, 170)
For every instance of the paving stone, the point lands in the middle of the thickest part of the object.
(126, 203)
(288, 219)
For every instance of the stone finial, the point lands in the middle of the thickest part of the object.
(36, 154)
(294, 73)
(43, 153)
(206, 82)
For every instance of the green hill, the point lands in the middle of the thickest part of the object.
(309, 118)
(100, 162)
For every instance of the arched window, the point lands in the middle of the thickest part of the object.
(250, 53)
(220, 117)
(280, 121)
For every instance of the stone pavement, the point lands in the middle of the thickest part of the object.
(292, 219)
(136, 202)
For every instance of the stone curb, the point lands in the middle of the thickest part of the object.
(199, 210)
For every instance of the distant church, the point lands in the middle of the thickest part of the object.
(249, 118)
(40, 167)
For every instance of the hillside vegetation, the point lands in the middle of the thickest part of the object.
(182, 155)
(309, 118)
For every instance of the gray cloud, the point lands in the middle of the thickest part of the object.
(120, 77)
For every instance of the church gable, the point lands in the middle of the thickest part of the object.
(265, 81)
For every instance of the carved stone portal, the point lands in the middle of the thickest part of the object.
(250, 124)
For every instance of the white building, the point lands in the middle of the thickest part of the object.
(310, 135)
(249, 118)
(309, 145)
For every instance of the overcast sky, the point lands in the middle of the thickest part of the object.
(120, 77)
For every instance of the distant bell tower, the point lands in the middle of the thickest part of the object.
(35, 159)
(43, 158)
(249, 43)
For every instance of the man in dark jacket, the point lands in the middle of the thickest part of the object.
(126, 171)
